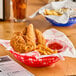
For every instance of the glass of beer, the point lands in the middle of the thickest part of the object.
(19, 10)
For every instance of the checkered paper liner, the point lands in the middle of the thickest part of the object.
(34, 58)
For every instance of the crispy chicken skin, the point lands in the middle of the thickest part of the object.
(18, 43)
(40, 38)
(30, 37)
(24, 31)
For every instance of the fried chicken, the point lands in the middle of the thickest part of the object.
(30, 37)
(29, 40)
(40, 38)
(18, 43)
(31, 34)
(24, 31)
(24, 41)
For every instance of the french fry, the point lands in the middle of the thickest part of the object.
(46, 48)
(52, 12)
(48, 12)
(56, 51)
(55, 13)
(42, 52)
(48, 53)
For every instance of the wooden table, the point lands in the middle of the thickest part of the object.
(62, 68)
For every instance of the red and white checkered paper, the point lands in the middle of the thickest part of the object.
(34, 59)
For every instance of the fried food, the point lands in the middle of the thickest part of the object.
(44, 50)
(40, 38)
(56, 12)
(18, 43)
(30, 37)
(25, 41)
(62, 10)
(52, 12)
(29, 40)
(24, 31)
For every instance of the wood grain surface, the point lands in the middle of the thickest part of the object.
(61, 68)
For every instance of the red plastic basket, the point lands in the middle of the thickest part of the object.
(32, 58)
(33, 61)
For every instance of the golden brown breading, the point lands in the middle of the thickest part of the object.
(30, 37)
(18, 43)
(25, 41)
(17, 34)
(40, 38)
(24, 31)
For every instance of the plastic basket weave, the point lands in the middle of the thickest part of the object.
(33, 62)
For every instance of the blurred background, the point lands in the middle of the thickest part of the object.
(9, 8)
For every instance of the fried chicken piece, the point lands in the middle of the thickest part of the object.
(17, 34)
(30, 38)
(40, 38)
(18, 43)
(24, 31)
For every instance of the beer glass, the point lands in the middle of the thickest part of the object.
(19, 10)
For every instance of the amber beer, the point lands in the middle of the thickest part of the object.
(19, 9)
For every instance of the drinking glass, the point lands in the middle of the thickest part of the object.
(19, 10)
